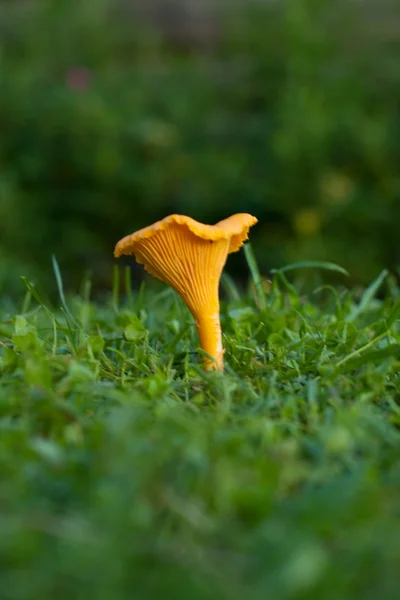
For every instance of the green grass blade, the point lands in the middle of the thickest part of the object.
(27, 301)
(394, 314)
(368, 296)
(373, 356)
(361, 350)
(230, 288)
(60, 287)
(287, 285)
(116, 288)
(256, 276)
(128, 286)
(32, 290)
(140, 297)
(312, 264)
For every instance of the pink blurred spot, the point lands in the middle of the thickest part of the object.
(78, 79)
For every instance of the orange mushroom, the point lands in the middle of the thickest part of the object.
(190, 256)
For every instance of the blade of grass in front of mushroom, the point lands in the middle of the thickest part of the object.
(230, 287)
(256, 276)
(116, 288)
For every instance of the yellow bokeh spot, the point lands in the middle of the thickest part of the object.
(307, 222)
(336, 188)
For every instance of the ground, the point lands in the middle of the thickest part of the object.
(129, 472)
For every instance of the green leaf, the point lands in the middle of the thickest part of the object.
(9, 360)
(37, 373)
(96, 343)
(22, 327)
(79, 372)
(135, 330)
(243, 314)
(47, 450)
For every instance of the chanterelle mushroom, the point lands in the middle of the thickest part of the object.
(190, 257)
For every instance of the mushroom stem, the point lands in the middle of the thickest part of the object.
(209, 331)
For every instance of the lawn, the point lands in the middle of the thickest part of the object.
(127, 472)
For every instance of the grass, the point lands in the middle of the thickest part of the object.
(127, 472)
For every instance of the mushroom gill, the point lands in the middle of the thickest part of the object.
(190, 256)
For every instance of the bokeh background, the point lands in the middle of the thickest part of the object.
(115, 113)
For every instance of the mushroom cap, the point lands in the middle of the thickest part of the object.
(233, 229)
(189, 256)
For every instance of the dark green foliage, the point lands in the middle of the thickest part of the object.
(127, 472)
(291, 114)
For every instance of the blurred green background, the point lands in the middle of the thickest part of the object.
(114, 114)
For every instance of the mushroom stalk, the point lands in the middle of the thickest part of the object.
(209, 332)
